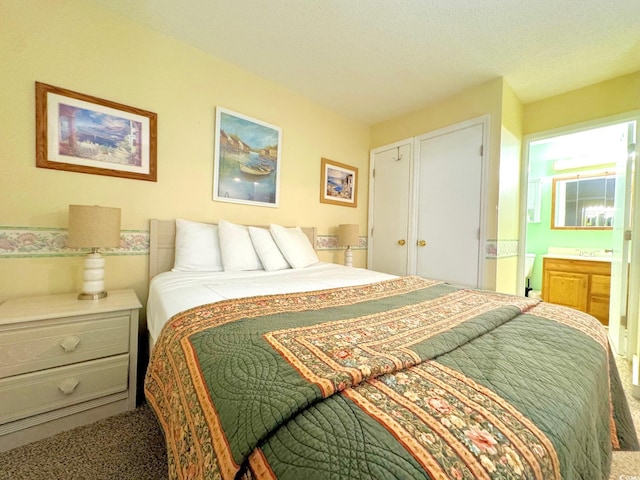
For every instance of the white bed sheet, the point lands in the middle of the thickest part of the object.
(173, 292)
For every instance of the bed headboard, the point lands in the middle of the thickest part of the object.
(162, 240)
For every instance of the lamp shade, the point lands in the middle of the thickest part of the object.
(93, 226)
(348, 234)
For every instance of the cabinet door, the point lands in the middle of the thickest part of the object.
(389, 209)
(600, 285)
(599, 297)
(599, 308)
(564, 288)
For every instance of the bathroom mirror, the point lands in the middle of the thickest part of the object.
(583, 201)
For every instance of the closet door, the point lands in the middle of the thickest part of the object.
(449, 204)
(390, 178)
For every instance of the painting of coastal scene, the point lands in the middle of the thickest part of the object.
(93, 135)
(81, 133)
(247, 160)
(338, 183)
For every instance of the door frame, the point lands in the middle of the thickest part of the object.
(634, 115)
(483, 120)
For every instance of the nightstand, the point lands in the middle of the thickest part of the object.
(65, 362)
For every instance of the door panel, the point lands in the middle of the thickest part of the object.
(389, 211)
(620, 256)
(449, 206)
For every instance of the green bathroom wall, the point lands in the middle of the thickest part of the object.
(540, 236)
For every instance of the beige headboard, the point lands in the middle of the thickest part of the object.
(162, 239)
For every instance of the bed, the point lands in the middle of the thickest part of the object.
(332, 372)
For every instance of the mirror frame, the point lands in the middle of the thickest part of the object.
(553, 200)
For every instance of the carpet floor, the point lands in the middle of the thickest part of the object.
(130, 446)
(626, 465)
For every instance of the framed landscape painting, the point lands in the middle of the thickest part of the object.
(338, 184)
(86, 134)
(247, 160)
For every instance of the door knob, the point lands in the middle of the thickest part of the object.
(401, 242)
(421, 243)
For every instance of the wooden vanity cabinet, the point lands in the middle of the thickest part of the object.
(580, 284)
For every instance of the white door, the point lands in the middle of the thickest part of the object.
(449, 205)
(390, 180)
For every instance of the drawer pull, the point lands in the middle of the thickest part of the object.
(69, 344)
(68, 385)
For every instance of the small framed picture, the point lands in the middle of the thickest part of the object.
(85, 134)
(338, 184)
(246, 167)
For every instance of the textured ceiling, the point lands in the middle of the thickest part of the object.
(374, 59)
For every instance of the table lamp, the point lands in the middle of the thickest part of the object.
(93, 227)
(347, 236)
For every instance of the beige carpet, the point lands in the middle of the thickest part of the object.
(130, 446)
(626, 465)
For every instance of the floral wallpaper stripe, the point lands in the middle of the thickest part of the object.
(501, 249)
(16, 242)
(20, 242)
(330, 242)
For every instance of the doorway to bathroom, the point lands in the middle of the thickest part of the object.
(577, 199)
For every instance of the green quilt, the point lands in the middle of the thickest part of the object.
(407, 378)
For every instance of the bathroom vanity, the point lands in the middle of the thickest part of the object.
(579, 282)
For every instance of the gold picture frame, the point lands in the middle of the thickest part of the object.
(338, 184)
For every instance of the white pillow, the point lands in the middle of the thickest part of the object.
(236, 247)
(294, 245)
(266, 248)
(197, 247)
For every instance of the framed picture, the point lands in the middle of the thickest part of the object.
(247, 160)
(339, 183)
(81, 133)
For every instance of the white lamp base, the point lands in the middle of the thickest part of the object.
(348, 257)
(93, 277)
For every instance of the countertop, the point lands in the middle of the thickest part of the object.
(587, 258)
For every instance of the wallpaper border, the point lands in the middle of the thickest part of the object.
(27, 242)
(496, 249)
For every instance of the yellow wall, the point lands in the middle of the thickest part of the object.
(608, 98)
(471, 103)
(510, 148)
(79, 46)
(509, 192)
(508, 212)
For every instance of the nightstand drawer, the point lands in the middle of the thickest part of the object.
(26, 395)
(30, 349)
